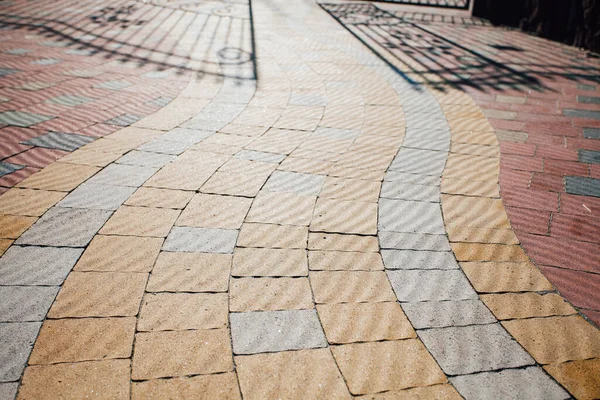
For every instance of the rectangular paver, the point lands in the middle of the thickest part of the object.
(201, 240)
(97, 197)
(424, 285)
(437, 314)
(417, 259)
(25, 303)
(123, 175)
(17, 340)
(59, 140)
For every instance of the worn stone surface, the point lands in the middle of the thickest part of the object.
(25, 303)
(120, 254)
(255, 294)
(581, 378)
(269, 262)
(34, 265)
(201, 240)
(429, 285)
(17, 340)
(351, 286)
(437, 314)
(140, 221)
(526, 305)
(205, 387)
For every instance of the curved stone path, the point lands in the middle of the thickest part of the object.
(330, 232)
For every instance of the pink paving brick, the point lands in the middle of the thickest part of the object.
(579, 205)
(552, 183)
(561, 252)
(581, 288)
(585, 228)
(529, 221)
(37, 157)
(529, 198)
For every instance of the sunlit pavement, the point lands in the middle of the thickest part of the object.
(287, 199)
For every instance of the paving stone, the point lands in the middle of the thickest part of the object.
(302, 184)
(416, 161)
(97, 197)
(145, 159)
(272, 236)
(490, 277)
(402, 191)
(260, 156)
(188, 136)
(583, 86)
(8, 391)
(415, 179)
(124, 120)
(113, 85)
(83, 339)
(212, 211)
(12, 226)
(591, 133)
(59, 176)
(281, 208)
(120, 254)
(141, 221)
(350, 189)
(17, 339)
(384, 366)
(190, 272)
(59, 140)
(270, 294)
(163, 146)
(25, 303)
(342, 216)
(183, 311)
(587, 114)
(219, 386)
(426, 143)
(526, 383)
(123, 175)
(34, 265)
(526, 305)
(70, 227)
(439, 314)
(582, 186)
(281, 375)
(201, 240)
(410, 217)
(581, 378)
(181, 353)
(440, 391)
(268, 331)
(269, 262)
(430, 285)
(107, 379)
(476, 348)
(336, 242)
(160, 198)
(91, 158)
(70, 100)
(8, 71)
(344, 261)
(589, 156)
(9, 168)
(22, 119)
(413, 241)
(416, 259)
(351, 286)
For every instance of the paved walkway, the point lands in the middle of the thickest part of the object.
(331, 229)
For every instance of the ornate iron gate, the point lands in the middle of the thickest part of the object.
(456, 4)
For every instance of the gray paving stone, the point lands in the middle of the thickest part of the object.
(430, 285)
(307, 99)
(201, 240)
(124, 120)
(407, 191)
(589, 156)
(335, 133)
(17, 339)
(269, 331)
(81, 52)
(158, 75)
(8, 71)
(60, 141)
(22, 119)
(204, 124)
(439, 314)
(509, 384)
(583, 86)
(46, 61)
(161, 101)
(8, 168)
(418, 259)
(17, 52)
(413, 241)
(8, 391)
(416, 179)
(162, 146)
(476, 348)
(188, 136)
(113, 85)
(295, 182)
(410, 217)
(591, 133)
(70, 100)
(588, 99)
(417, 161)
(97, 197)
(123, 175)
(25, 303)
(582, 186)
(253, 155)
(587, 114)
(419, 142)
(69, 227)
(33, 265)
(145, 159)
(53, 43)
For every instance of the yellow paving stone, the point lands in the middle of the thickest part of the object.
(90, 157)
(259, 294)
(273, 236)
(216, 148)
(316, 154)
(282, 209)
(469, 124)
(159, 198)
(249, 167)
(190, 272)
(351, 286)
(202, 387)
(183, 311)
(581, 378)
(132, 133)
(12, 226)
(173, 114)
(470, 188)
(341, 122)
(114, 146)
(551, 340)
(4, 245)
(344, 261)
(29, 202)
(526, 305)
(181, 176)
(467, 234)
(362, 160)
(308, 112)
(213, 211)
(202, 159)
(333, 241)
(375, 140)
(471, 167)
(269, 262)
(234, 184)
(475, 149)
(305, 165)
(477, 212)
(304, 374)
(438, 392)
(324, 142)
(343, 216)
(486, 138)
(383, 366)
(369, 149)
(180, 353)
(120, 254)
(228, 140)
(99, 294)
(395, 131)
(488, 252)
(364, 322)
(263, 116)
(350, 189)
(60, 177)
(83, 339)
(490, 277)
(140, 221)
(280, 141)
(300, 124)
(108, 379)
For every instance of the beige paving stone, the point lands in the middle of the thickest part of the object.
(526, 305)
(438, 392)
(83, 339)
(60, 177)
(351, 286)
(364, 322)
(377, 140)
(216, 148)
(282, 209)
(249, 167)
(12, 226)
(312, 154)
(329, 143)
(273, 236)
(182, 311)
(213, 211)
(202, 159)
(489, 277)
(140, 221)
(234, 184)
(357, 173)
(114, 145)
(259, 294)
(476, 212)
(383, 366)
(202, 387)
(304, 374)
(120, 254)
(581, 378)
(470, 188)
(181, 176)
(269, 262)
(159, 198)
(475, 149)
(90, 157)
(244, 130)
(488, 252)
(281, 141)
(344, 261)
(176, 112)
(107, 379)
(4, 245)
(468, 234)
(28, 201)
(306, 165)
(308, 112)
(350, 189)
(385, 131)
(336, 242)
(362, 160)
(180, 353)
(342, 216)
(228, 140)
(471, 167)
(99, 294)
(135, 134)
(190, 272)
(550, 340)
